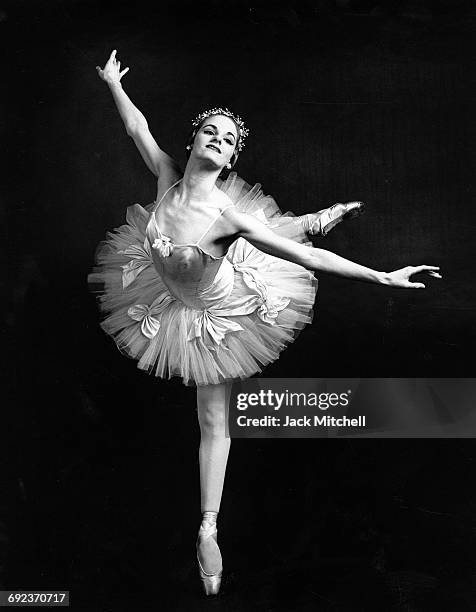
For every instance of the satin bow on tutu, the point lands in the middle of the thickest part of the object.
(249, 261)
(270, 308)
(212, 326)
(213, 323)
(149, 316)
(141, 258)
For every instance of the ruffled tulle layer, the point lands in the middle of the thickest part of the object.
(167, 337)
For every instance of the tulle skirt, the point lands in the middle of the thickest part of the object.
(231, 342)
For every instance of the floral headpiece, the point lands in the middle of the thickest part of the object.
(224, 111)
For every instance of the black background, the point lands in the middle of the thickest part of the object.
(344, 100)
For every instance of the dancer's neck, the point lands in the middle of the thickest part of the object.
(198, 183)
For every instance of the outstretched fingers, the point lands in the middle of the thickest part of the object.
(433, 270)
(430, 270)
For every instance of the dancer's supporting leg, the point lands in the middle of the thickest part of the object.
(212, 405)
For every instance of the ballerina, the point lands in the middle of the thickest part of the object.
(211, 282)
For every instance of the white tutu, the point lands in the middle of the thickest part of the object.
(254, 307)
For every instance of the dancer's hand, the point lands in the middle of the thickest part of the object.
(401, 278)
(111, 73)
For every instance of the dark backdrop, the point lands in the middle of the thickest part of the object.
(345, 100)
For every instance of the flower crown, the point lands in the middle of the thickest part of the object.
(224, 111)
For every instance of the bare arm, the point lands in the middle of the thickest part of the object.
(320, 260)
(158, 162)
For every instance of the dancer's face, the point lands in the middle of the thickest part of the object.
(216, 139)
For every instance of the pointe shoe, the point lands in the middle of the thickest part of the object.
(211, 582)
(328, 218)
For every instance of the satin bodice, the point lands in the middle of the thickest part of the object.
(191, 274)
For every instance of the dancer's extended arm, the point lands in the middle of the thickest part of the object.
(321, 260)
(158, 162)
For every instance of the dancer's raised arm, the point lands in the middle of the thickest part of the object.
(158, 162)
(320, 260)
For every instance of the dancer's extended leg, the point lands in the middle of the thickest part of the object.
(321, 222)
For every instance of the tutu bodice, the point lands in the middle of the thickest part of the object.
(192, 275)
(181, 311)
